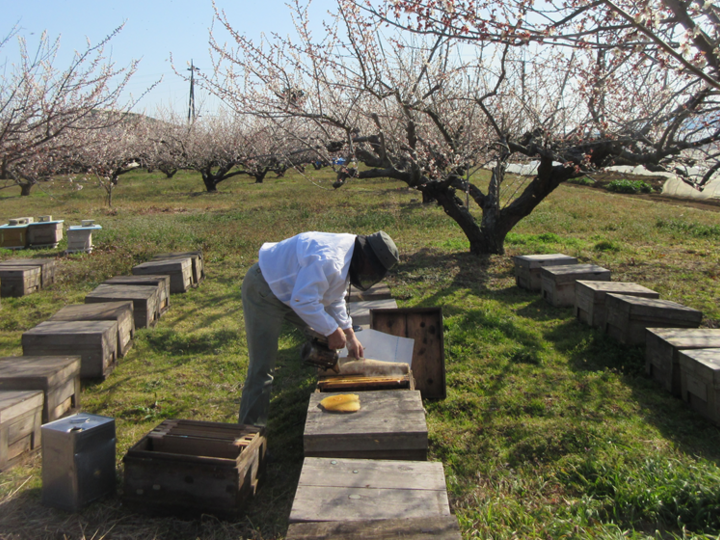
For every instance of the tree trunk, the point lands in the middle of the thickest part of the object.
(210, 182)
(25, 189)
(260, 176)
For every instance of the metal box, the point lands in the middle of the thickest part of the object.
(78, 460)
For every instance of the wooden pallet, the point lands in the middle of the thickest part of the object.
(145, 299)
(192, 467)
(120, 312)
(364, 489)
(389, 425)
(57, 376)
(20, 421)
(94, 341)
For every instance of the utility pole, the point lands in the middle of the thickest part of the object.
(191, 104)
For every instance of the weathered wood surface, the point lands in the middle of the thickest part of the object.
(19, 280)
(425, 326)
(20, 421)
(179, 270)
(661, 352)
(590, 298)
(629, 316)
(527, 268)
(45, 234)
(362, 489)
(700, 381)
(359, 383)
(120, 312)
(379, 291)
(57, 376)
(145, 299)
(432, 528)
(558, 282)
(191, 467)
(48, 267)
(94, 341)
(198, 265)
(161, 281)
(13, 237)
(360, 311)
(389, 425)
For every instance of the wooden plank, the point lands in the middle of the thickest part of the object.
(425, 326)
(358, 490)
(389, 421)
(121, 312)
(144, 298)
(179, 270)
(163, 281)
(20, 421)
(94, 341)
(429, 528)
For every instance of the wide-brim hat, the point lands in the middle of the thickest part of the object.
(384, 248)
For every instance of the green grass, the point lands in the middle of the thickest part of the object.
(549, 430)
(629, 186)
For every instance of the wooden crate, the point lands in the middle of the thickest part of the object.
(20, 421)
(58, 377)
(428, 528)
(700, 381)
(662, 346)
(360, 311)
(425, 326)
(19, 280)
(179, 270)
(120, 312)
(145, 299)
(558, 282)
(198, 266)
(367, 489)
(94, 341)
(191, 467)
(389, 425)
(13, 236)
(48, 268)
(79, 239)
(161, 282)
(527, 268)
(590, 298)
(46, 234)
(629, 316)
(328, 382)
(379, 291)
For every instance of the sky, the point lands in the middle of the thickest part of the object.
(154, 29)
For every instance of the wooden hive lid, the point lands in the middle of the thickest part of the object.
(689, 338)
(543, 259)
(40, 369)
(705, 363)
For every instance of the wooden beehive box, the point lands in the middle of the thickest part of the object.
(179, 270)
(198, 266)
(389, 425)
(590, 298)
(379, 291)
(145, 299)
(360, 311)
(629, 316)
(527, 268)
(700, 381)
(161, 282)
(434, 528)
(13, 236)
(558, 282)
(329, 382)
(425, 326)
(366, 489)
(186, 466)
(46, 234)
(94, 341)
(120, 312)
(58, 377)
(662, 346)
(19, 280)
(20, 421)
(48, 268)
(79, 239)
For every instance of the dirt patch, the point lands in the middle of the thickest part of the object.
(161, 210)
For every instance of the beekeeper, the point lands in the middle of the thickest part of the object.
(303, 280)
